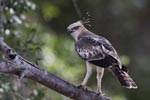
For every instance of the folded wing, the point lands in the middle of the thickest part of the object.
(96, 50)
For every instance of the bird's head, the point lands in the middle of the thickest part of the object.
(75, 29)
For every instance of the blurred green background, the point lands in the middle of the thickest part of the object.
(37, 30)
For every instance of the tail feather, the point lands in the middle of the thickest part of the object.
(123, 77)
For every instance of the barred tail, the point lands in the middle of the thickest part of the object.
(123, 77)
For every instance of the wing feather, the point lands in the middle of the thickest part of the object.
(89, 49)
(95, 49)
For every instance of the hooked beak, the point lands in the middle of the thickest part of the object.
(69, 31)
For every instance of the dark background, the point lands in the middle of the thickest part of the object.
(37, 30)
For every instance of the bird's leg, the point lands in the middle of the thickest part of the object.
(100, 72)
(87, 76)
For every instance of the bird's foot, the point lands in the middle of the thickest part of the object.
(99, 93)
(82, 87)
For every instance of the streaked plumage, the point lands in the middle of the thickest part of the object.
(98, 51)
(94, 48)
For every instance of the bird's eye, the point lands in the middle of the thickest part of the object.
(75, 28)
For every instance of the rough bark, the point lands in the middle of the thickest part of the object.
(15, 64)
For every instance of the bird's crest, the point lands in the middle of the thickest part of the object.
(86, 19)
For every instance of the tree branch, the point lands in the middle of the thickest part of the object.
(15, 64)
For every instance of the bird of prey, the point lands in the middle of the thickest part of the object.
(97, 50)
